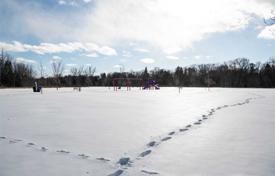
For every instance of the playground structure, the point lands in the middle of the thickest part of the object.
(127, 82)
(151, 84)
(119, 82)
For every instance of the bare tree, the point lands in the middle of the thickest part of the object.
(77, 73)
(89, 72)
(57, 69)
(41, 70)
(73, 71)
(80, 70)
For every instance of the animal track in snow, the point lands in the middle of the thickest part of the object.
(103, 159)
(63, 151)
(44, 149)
(149, 172)
(12, 141)
(183, 129)
(166, 138)
(171, 133)
(151, 144)
(116, 173)
(30, 143)
(125, 161)
(145, 153)
(197, 123)
(83, 156)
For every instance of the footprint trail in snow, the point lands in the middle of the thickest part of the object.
(149, 147)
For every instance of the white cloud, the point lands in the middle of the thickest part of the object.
(142, 50)
(72, 2)
(57, 58)
(107, 51)
(169, 23)
(173, 23)
(172, 57)
(91, 55)
(197, 56)
(15, 46)
(268, 32)
(48, 48)
(25, 61)
(172, 50)
(160, 23)
(123, 60)
(126, 53)
(117, 66)
(61, 2)
(42, 48)
(147, 60)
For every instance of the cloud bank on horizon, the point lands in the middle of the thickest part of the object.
(111, 28)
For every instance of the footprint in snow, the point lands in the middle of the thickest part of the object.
(116, 173)
(149, 172)
(44, 149)
(171, 133)
(183, 129)
(30, 144)
(103, 159)
(197, 123)
(151, 144)
(12, 142)
(17, 140)
(62, 151)
(145, 153)
(83, 156)
(188, 126)
(166, 138)
(124, 161)
(2, 137)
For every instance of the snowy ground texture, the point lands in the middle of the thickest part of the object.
(100, 132)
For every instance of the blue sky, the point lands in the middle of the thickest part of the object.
(135, 33)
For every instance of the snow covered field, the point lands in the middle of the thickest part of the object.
(102, 132)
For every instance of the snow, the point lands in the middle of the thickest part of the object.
(161, 132)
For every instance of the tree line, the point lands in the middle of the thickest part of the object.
(14, 74)
(236, 73)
